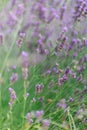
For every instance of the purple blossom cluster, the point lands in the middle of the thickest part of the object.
(80, 9)
(13, 78)
(12, 97)
(38, 115)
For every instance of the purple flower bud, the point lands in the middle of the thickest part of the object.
(70, 99)
(39, 88)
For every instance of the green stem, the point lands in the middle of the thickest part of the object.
(71, 121)
(24, 105)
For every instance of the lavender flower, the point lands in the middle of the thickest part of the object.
(80, 9)
(20, 40)
(39, 115)
(62, 11)
(29, 118)
(13, 78)
(12, 97)
(48, 71)
(45, 123)
(70, 99)
(62, 104)
(12, 19)
(39, 88)
(20, 10)
(63, 79)
(25, 64)
(81, 68)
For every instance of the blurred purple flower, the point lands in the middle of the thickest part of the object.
(39, 114)
(25, 61)
(12, 97)
(45, 123)
(62, 104)
(14, 77)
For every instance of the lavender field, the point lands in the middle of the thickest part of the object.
(43, 64)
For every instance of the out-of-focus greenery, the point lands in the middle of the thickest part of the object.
(3, 3)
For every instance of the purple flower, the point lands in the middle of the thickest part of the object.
(62, 11)
(24, 55)
(48, 71)
(25, 72)
(14, 77)
(70, 99)
(12, 19)
(80, 10)
(62, 104)
(81, 68)
(39, 88)
(39, 114)
(55, 70)
(73, 42)
(25, 61)
(12, 97)
(29, 118)
(46, 123)
(20, 10)
(14, 67)
(20, 40)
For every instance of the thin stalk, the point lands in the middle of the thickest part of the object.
(24, 105)
(71, 121)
